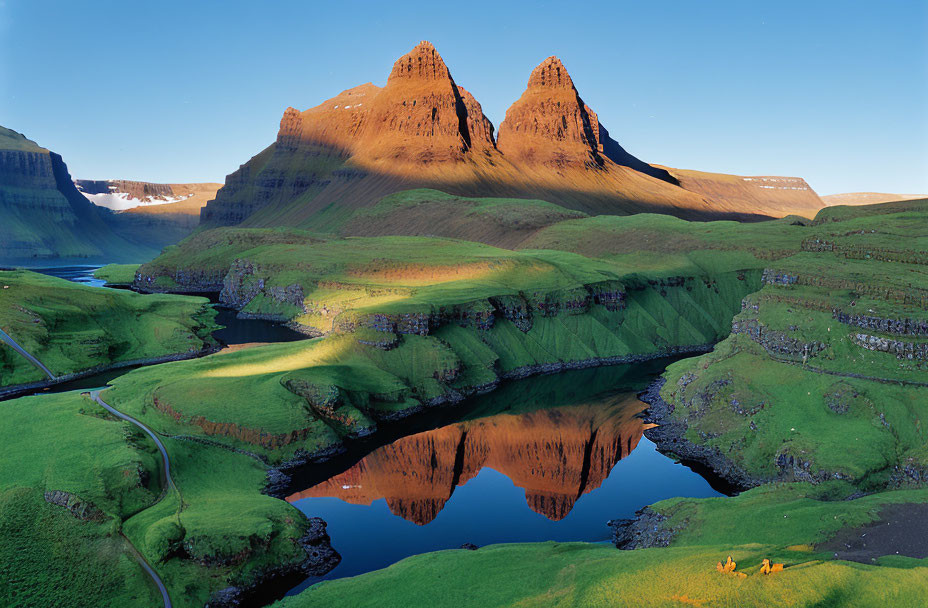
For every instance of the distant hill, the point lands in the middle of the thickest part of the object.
(43, 216)
(423, 130)
(868, 198)
(778, 195)
(152, 214)
(147, 197)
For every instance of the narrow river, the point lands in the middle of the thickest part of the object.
(235, 331)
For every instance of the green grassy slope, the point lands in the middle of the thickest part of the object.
(117, 274)
(504, 222)
(49, 556)
(216, 529)
(43, 216)
(71, 327)
(828, 359)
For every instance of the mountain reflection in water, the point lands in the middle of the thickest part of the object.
(546, 458)
(556, 455)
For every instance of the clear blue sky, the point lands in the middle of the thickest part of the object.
(834, 91)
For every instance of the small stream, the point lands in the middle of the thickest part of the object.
(235, 331)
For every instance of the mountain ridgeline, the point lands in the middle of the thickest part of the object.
(43, 214)
(48, 218)
(423, 130)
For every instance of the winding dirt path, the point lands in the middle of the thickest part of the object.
(169, 485)
(5, 337)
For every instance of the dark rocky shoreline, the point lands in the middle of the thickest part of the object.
(647, 529)
(321, 558)
(670, 438)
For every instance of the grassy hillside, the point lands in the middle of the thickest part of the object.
(69, 477)
(117, 274)
(78, 485)
(504, 222)
(72, 328)
(827, 359)
(683, 574)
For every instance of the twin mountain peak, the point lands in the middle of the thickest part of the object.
(423, 116)
(423, 130)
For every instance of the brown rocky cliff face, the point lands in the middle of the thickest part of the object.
(550, 125)
(335, 124)
(422, 130)
(421, 116)
(556, 455)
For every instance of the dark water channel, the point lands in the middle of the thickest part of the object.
(235, 331)
(546, 458)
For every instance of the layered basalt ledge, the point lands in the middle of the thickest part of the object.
(899, 326)
(777, 342)
(912, 296)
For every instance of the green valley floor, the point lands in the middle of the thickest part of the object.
(806, 389)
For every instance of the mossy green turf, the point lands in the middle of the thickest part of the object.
(71, 327)
(828, 406)
(47, 556)
(780, 522)
(117, 274)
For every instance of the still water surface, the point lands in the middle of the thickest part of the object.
(546, 458)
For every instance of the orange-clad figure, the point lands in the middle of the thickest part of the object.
(767, 568)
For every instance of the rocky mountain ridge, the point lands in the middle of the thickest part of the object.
(423, 130)
(42, 214)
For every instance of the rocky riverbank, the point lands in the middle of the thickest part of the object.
(320, 559)
(670, 438)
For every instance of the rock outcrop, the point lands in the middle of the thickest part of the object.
(423, 130)
(42, 214)
(550, 125)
